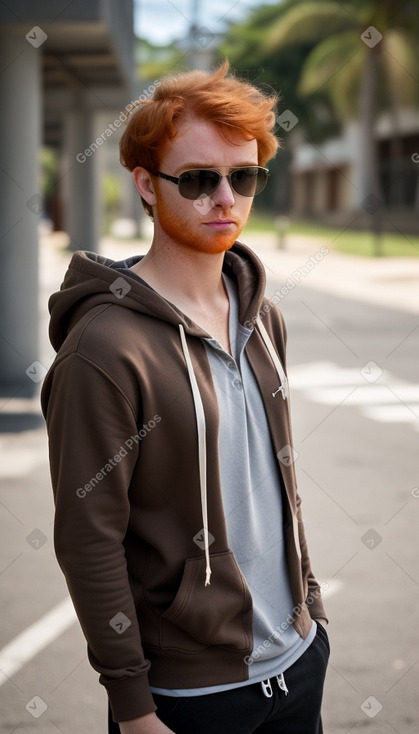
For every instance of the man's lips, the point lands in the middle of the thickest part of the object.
(220, 223)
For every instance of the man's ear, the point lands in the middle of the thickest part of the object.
(144, 184)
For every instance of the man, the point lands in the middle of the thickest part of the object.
(178, 524)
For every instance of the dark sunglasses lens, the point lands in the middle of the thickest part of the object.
(193, 184)
(249, 181)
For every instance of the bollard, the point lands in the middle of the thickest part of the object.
(281, 226)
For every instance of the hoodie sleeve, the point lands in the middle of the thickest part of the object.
(89, 421)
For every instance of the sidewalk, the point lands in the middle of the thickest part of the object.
(391, 282)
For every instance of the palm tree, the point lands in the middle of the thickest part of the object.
(245, 46)
(365, 58)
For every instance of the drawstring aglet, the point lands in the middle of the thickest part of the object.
(281, 683)
(282, 389)
(267, 688)
(208, 576)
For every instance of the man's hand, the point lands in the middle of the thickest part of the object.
(148, 724)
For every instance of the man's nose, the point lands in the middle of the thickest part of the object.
(224, 195)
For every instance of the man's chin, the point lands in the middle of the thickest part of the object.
(217, 243)
(216, 248)
(209, 245)
(200, 239)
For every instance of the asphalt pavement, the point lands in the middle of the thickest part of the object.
(353, 336)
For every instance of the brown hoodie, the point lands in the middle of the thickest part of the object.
(132, 419)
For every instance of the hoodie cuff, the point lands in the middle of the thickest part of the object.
(130, 698)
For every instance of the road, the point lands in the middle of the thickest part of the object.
(355, 403)
(356, 432)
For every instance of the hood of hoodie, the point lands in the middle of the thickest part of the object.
(92, 280)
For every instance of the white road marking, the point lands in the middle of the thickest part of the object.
(366, 395)
(333, 587)
(393, 413)
(35, 638)
(384, 399)
(22, 457)
(328, 374)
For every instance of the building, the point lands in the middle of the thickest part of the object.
(327, 177)
(66, 76)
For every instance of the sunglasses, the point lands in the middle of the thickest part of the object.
(246, 181)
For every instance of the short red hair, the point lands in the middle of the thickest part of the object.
(235, 107)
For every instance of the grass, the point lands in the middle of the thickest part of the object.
(351, 241)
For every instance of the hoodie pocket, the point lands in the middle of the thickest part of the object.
(201, 616)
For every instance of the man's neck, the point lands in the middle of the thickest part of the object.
(182, 275)
(193, 282)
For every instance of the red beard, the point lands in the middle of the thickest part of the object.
(193, 233)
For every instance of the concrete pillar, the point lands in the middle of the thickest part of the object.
(80, 181)
(20, 209)
(353, 143)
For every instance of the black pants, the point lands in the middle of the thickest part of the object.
(247, 710)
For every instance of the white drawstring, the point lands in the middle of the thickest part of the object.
(283, 388)
(267, 687)
(202, 449)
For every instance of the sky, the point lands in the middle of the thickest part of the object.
(162, 21)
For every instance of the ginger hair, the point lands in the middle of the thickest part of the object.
(235, 107)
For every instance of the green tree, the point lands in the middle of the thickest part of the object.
(154, 62)
(245, 45)
(365, 59)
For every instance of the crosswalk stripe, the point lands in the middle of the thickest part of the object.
(35, 638)
(368, 395)
(378, 395)
(333, 587)
(316, 374)
(393, 413)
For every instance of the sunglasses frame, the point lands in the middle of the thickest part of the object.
(177, 180)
